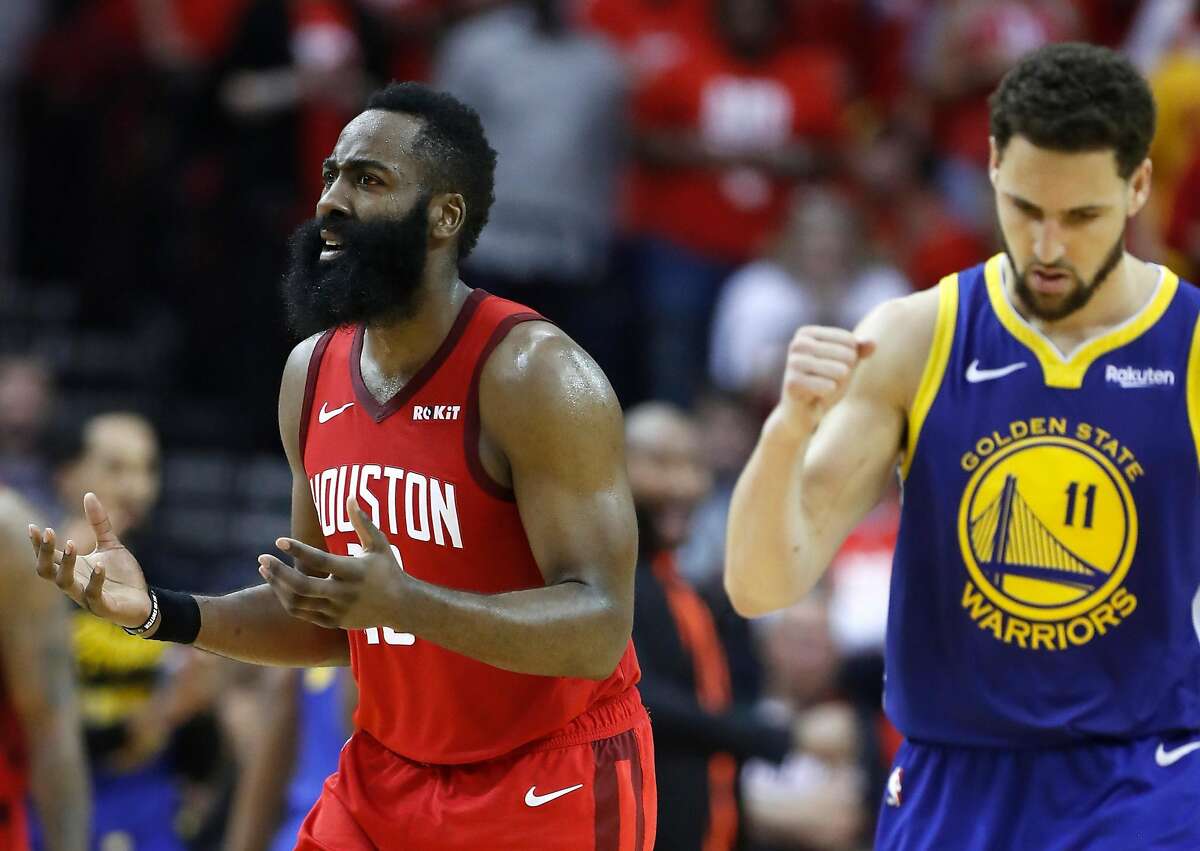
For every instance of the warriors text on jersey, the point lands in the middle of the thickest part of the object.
(414, 465)
(1046, 576)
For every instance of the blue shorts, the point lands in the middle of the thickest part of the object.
(1140, 794)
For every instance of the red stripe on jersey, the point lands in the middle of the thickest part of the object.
(310, 386)
(414, 385)
(618, 794)
(471, 432)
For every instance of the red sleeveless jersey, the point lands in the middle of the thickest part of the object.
(414, 464)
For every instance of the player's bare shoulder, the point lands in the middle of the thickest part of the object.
(291, 390)
(902, 331)
(539, 388)
(536, 368)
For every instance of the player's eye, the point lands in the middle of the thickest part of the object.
(367, 180)
(1028, 210)
(328, 178)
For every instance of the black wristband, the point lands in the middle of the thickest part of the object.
(179, 617)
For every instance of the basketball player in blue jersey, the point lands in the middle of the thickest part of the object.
(1043, 656)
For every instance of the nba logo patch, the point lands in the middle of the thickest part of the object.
(895, 781)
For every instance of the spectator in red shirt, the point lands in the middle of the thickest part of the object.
(653, 35)
(720, 138)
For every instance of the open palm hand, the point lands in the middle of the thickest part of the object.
(108, 581)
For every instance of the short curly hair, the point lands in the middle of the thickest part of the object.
(1076, 97)
(452, 147)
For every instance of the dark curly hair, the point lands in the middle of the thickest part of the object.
(1076, 97)
(452, 147)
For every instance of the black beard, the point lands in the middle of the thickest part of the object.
(1079, 295)
(376, 275)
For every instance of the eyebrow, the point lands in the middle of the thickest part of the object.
(1086, 208)
(331, 164)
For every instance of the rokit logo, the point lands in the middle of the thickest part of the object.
(1131, 378)
(436, 412)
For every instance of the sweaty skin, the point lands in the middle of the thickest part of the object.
(551, 428)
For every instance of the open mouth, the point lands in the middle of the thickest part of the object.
(331, 245)
(1050, 283)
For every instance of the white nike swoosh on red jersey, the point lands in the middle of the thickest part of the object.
(324, 416)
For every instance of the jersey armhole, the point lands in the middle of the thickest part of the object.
(1193, 388)
(935, 367)
(473, 428)
(310, 387)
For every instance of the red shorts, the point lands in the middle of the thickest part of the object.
(589, 787)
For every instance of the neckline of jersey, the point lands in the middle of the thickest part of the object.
(1067, 370)
(381, 411)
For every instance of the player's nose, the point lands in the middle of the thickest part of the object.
(1047, 243)
(334, 202)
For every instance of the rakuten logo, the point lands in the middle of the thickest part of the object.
(1132, 378)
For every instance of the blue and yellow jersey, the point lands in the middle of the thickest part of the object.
(1045, 581)
(117, 675)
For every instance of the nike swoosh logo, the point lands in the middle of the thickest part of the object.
(534, 800)
(975, 374)
(1165, 757)
(324, 416)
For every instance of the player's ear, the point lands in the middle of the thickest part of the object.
(1139, 186)
(993, 160)
(447, 213)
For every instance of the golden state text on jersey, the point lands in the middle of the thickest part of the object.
(1046, 578)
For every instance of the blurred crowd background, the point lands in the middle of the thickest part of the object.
(681, 184)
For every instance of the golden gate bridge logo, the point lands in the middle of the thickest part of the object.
(1047, 528)
(1009, 539)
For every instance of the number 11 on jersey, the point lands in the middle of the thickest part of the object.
(390, 636)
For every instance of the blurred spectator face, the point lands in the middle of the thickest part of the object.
(799, 651)
(1062, 217)
(729, 431)
(363, 256)
(25, 395)
(667, 473)
(820, 238)
(888, 166)
(749, 28)
(119, 462)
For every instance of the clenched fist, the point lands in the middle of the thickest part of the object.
(820, 362)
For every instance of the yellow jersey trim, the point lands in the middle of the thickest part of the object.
(935, 366)
(1068, 371)
(1193, 388)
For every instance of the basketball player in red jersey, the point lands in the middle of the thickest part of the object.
(463, 532)
(41, 738)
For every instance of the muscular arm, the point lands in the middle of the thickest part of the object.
(251, 625)
(555, 427)
(552, 427)
(40, 680)
(804, 491)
